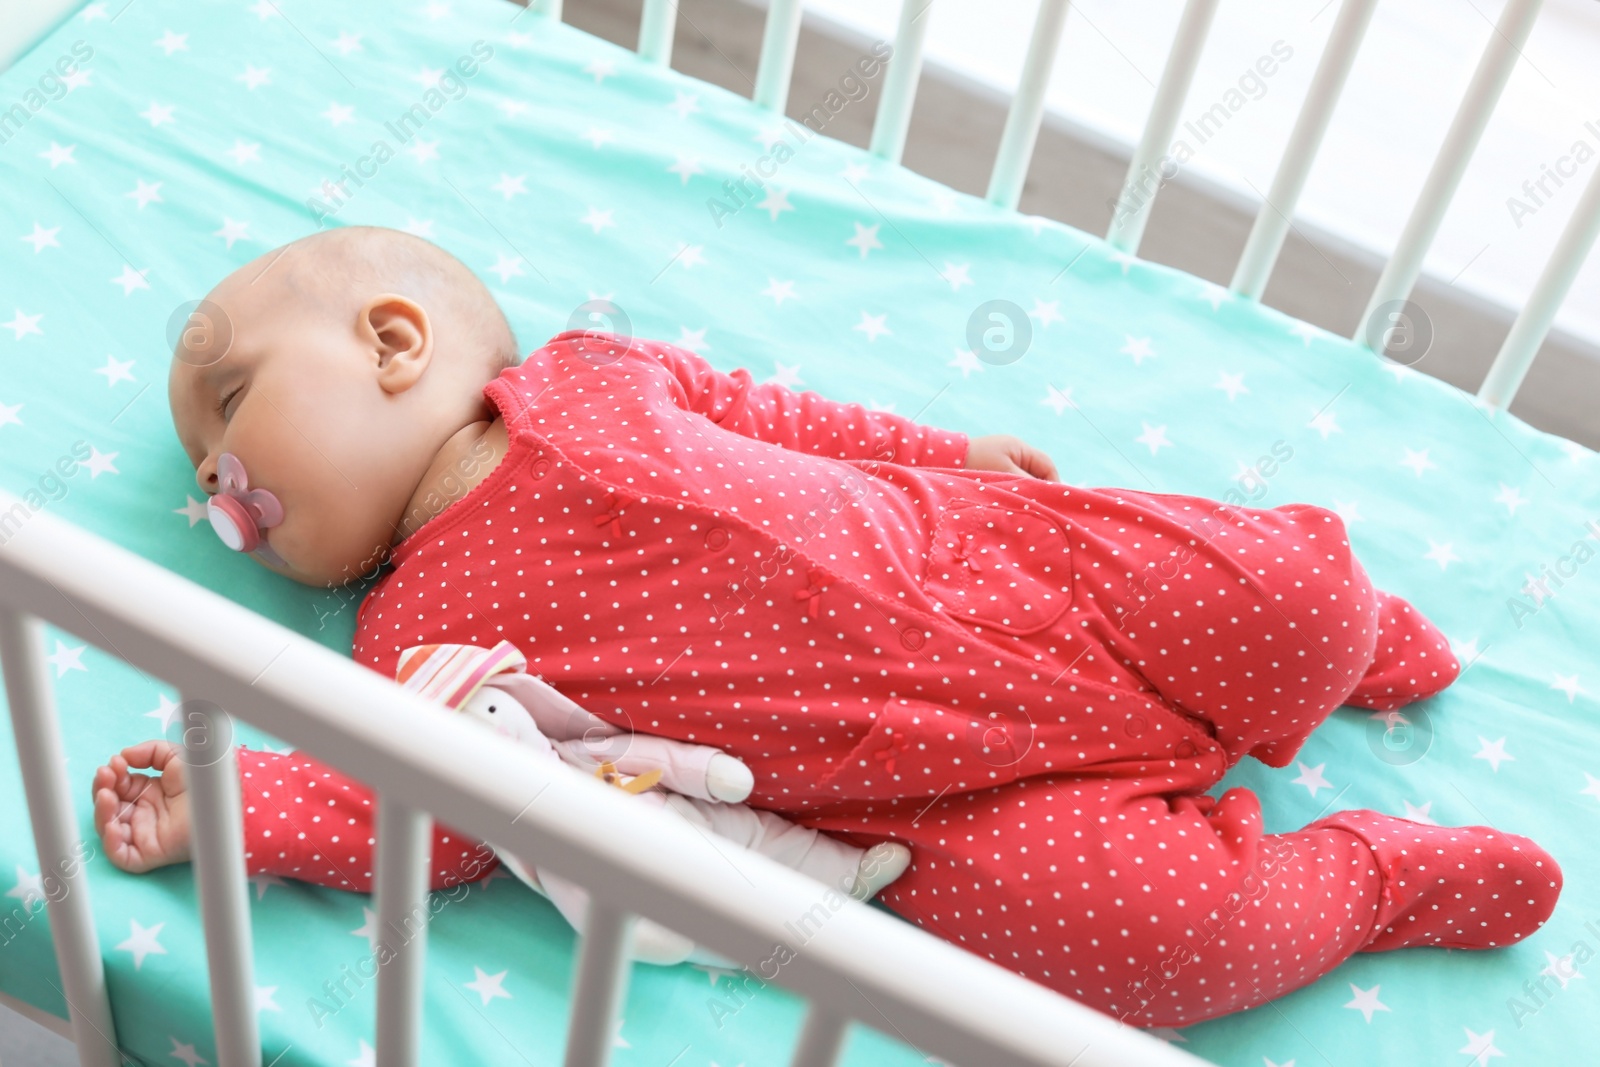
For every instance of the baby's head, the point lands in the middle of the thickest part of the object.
(334, 369)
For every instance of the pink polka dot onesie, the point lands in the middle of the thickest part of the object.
(1030, 683)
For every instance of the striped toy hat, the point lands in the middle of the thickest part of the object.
(450, 674)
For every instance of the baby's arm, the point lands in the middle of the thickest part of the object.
(302, 820)
(805, 421)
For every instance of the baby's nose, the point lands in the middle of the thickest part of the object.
(206, 475)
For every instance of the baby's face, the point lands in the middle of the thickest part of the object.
(314, 398)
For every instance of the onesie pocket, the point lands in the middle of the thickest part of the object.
(918, 748)
(995, 566)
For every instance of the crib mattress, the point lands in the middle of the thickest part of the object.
(564, 170)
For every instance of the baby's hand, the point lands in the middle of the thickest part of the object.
(143, 820)
(1009, 455)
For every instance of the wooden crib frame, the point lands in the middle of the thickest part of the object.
(862, 965)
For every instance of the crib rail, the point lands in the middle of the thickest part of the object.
(1144, 179)
(861, 965)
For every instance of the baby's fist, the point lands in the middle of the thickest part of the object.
(143, 820)
(1009, 455)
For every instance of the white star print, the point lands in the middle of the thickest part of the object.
(685, 167)
(144, 192)
(507, 267)
(1232, 384)
(264, 10)
(264, 882)
(1494, 752)
(1305, 331)
(419, 229)
(966, 361)
(1213, 294)
(776, 203)
(601, 69)
(170, 42)
(435, 12)
(1442, 554)
(30, 888)
(1311, 778)
(785, 375)
(509, 187)
(264, 1001)
(1480, 1047)
(1465, 651)
(1511, 497)
(423, 150)
(339, 114)
(22, 325)
(183, 1052)
(116, 370)
(1416, 814)
(1058, 399)
(488, 986)
(143, 942)
(597, 220)
(599, 136)
(428, 77)
(1046, 312)
(1139, 348)
(684, 104)
(956, 274)
(1593, 788)
(1400, 371)
(689, 256)
(693, 340)
(165, 712)
(1418, 461)
(100, 463)
(347, 43)
(8, 414)
(131, 279)
(58, 154)
(369, 927)
(1568, 684)
(93, 12)
(1324, 423)
(872, 325)
(157, 114)
(77, 79)
(1155, 437)
(232, 231)
(194, 510)
(855, 172)
(42, 238)
(65, 659)
(244, 152)
(1561, 968)
(866, 238)
(365, 1057)
(254, 77)
(779, 291)
(1366, 1001)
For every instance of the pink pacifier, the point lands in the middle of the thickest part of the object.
(239, 514)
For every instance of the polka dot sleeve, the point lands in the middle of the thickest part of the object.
(305, 820)
(805, 421)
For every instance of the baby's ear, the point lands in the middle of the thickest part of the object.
(401, 339)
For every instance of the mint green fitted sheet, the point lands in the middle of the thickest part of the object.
(196, 140)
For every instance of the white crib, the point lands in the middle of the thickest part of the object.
(861, 966)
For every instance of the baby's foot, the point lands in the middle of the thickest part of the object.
(1452, 886)
(880, 865)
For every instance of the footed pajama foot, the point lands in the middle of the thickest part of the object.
(1452, 886)
(1412, 659)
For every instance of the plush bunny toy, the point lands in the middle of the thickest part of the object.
(698, 783)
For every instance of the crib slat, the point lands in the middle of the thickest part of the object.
(820, 1039)
(1272, 221)
(778, 44)
(893, 118)
(1139, 188)
(1488, 81)
(1533, 323)
(55, 836)
(598, 989)
(1027, 107)
(400, 883)
(657, 23)
(219, 872)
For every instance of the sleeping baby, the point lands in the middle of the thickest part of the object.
(905, 634)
